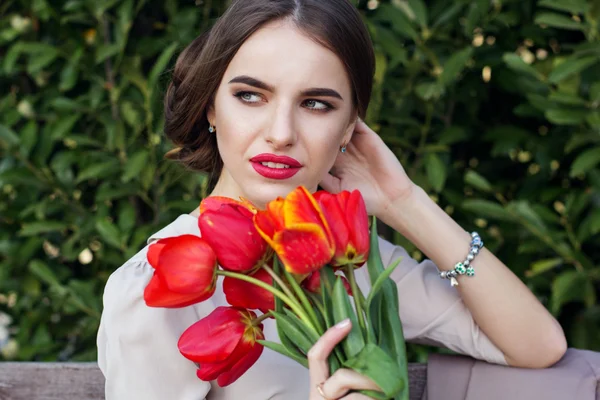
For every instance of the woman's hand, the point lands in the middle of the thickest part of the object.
(343, 380)
(371, 167)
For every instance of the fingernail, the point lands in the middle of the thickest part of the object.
(342, 324)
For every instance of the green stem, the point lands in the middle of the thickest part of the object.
(290, 302)
(261, 318)
(304, 300)
(357, 296)
(279, 281)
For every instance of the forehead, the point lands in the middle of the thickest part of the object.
(281, 55)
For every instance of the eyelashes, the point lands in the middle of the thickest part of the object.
(314, 105)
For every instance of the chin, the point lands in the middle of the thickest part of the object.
(263, 193)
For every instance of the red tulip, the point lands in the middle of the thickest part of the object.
(231, 233)
(184, 272)
(215, 202)
(346, 214)
(298, 232)
(224, 344)
(247, 295)
(313, 283)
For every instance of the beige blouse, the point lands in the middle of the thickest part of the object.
(137, 345)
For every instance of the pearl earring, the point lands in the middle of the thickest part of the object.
(211, 129)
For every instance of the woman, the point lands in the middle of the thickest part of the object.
(270, 99)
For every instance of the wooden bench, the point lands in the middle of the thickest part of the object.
(84, 381)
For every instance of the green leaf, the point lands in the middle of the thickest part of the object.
(486, 209)
(99, 170)
(64, 126)
(376, 288)
(161, 64)
(429, 90)
(295, 334)
(565, 116)
(436, 171)
(109, 232)
(570, 67)
(567, 287)
(37, 228)
(595, 92)
(279, 348)
(523, 210)
(399, 22)
(8, 137)
(68, 78)
(42, 271)
(477, 181)
(342, 309)
(541, 266)
(454, 65)
(135, 165)
(585, 161)
(419, 8)
(558, 21)
(105, 51)
(517, 64)
(374, 363)
(572, 6)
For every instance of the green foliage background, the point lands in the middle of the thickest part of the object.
(492, 106)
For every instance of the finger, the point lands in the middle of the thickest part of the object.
(356, 396)
(361, 127)
(331, 183)
(318, 354)
(344, 380)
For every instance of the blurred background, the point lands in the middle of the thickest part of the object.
(493, 107)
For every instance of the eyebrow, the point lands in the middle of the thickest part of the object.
(317, 92)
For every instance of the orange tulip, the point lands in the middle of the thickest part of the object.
(184, 272)
(230, 231)
(240, 293)
(298, 232)
(223, 344)
(346, 214)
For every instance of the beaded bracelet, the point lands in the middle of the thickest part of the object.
(465, 267)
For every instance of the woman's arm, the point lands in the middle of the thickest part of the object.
(503, 307)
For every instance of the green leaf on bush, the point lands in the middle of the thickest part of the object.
(419, 8)
(45, 273)
(585, 161)
(557, 21)
(429, 90)
(477, 181)
(565, 116)
(8, 137)
(570, 286)
(455, 65)
(36, 228)
(109, 232)
(569, 67)
(99, 170)
(135, 165)
(572, 6)
(436, 171)
(542, 266)
(486, 209)
(517, 64)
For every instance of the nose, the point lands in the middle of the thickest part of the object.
(281, 132)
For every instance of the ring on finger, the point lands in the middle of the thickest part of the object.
(320, 390)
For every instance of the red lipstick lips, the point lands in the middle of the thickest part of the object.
(292, 166)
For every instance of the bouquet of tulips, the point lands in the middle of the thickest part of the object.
(294, 262)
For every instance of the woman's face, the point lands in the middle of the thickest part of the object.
(281, 112)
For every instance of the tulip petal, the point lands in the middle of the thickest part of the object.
(213, 203)
(231, 233)
(214, 337)
(154, 250)
(303, 249)
(156, 294)
(240, 368)
(358, 225)
(187, 265)
(247, 295)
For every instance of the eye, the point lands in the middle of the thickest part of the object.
(317, 105)
(248, 97)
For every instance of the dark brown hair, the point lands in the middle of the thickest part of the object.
(335, 24)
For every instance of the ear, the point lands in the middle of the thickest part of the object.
(210, 114)
(350, 129)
